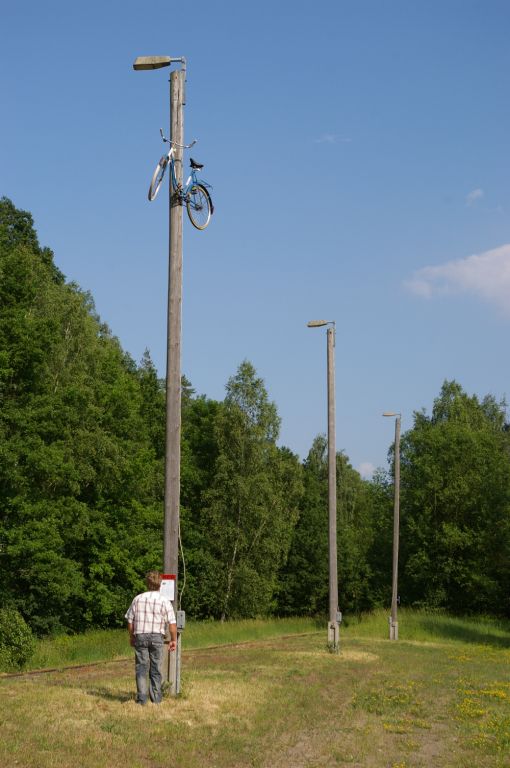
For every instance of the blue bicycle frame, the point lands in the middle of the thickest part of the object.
(191, 181)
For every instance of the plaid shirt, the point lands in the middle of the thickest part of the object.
(149, 613)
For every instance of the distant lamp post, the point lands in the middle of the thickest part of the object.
(334, 615)
(396, 528)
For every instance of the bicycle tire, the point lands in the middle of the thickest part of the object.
(157, 178)
(199, 206)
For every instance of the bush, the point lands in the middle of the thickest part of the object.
(17, 644)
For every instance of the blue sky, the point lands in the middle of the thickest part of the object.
(359, 157)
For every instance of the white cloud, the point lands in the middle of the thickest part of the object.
(473, 196)
(366, 470)
(332, 138)
(486, 275)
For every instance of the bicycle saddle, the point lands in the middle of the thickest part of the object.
(195, 165)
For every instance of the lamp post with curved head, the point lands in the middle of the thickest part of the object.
(173, 361)
(333, 625)
(396, 527)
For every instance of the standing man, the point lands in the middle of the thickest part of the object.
(148, 617)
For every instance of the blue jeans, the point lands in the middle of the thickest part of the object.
(148, 656)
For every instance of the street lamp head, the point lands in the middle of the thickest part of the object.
(319, 323)
(152, 62)
(391, 413)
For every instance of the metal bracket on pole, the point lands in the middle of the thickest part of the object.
(174, 658)
(181, 60)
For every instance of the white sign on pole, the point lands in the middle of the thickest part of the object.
(167, 587)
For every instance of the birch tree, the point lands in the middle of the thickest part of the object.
(251, 507)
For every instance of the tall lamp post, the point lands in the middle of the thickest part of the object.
(334, 616)
(173, 364)
(396, 528)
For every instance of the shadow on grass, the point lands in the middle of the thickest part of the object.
(106, 693)
(436, 626)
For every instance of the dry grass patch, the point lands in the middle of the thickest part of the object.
(210, 699)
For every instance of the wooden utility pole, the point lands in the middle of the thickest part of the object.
(171, 526)
(173, 367)
(396, 534)
(334, 614)
(333, 629)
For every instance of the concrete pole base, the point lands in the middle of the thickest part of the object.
(174, 669)
(333, 636)
(393, 629)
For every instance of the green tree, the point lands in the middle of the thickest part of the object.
(380, 555)
(79, 472)
(355, 530)
(199, 453)
(455, 535)
(251, 506)
(17, 643)
(305, 578)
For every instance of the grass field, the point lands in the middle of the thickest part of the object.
(440, 696)
(106, 645)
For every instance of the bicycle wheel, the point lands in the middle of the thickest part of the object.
(157, 178)
(199, 206)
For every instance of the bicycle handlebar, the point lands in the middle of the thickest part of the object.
(175, 144)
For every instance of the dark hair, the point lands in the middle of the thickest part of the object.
(153, 580)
